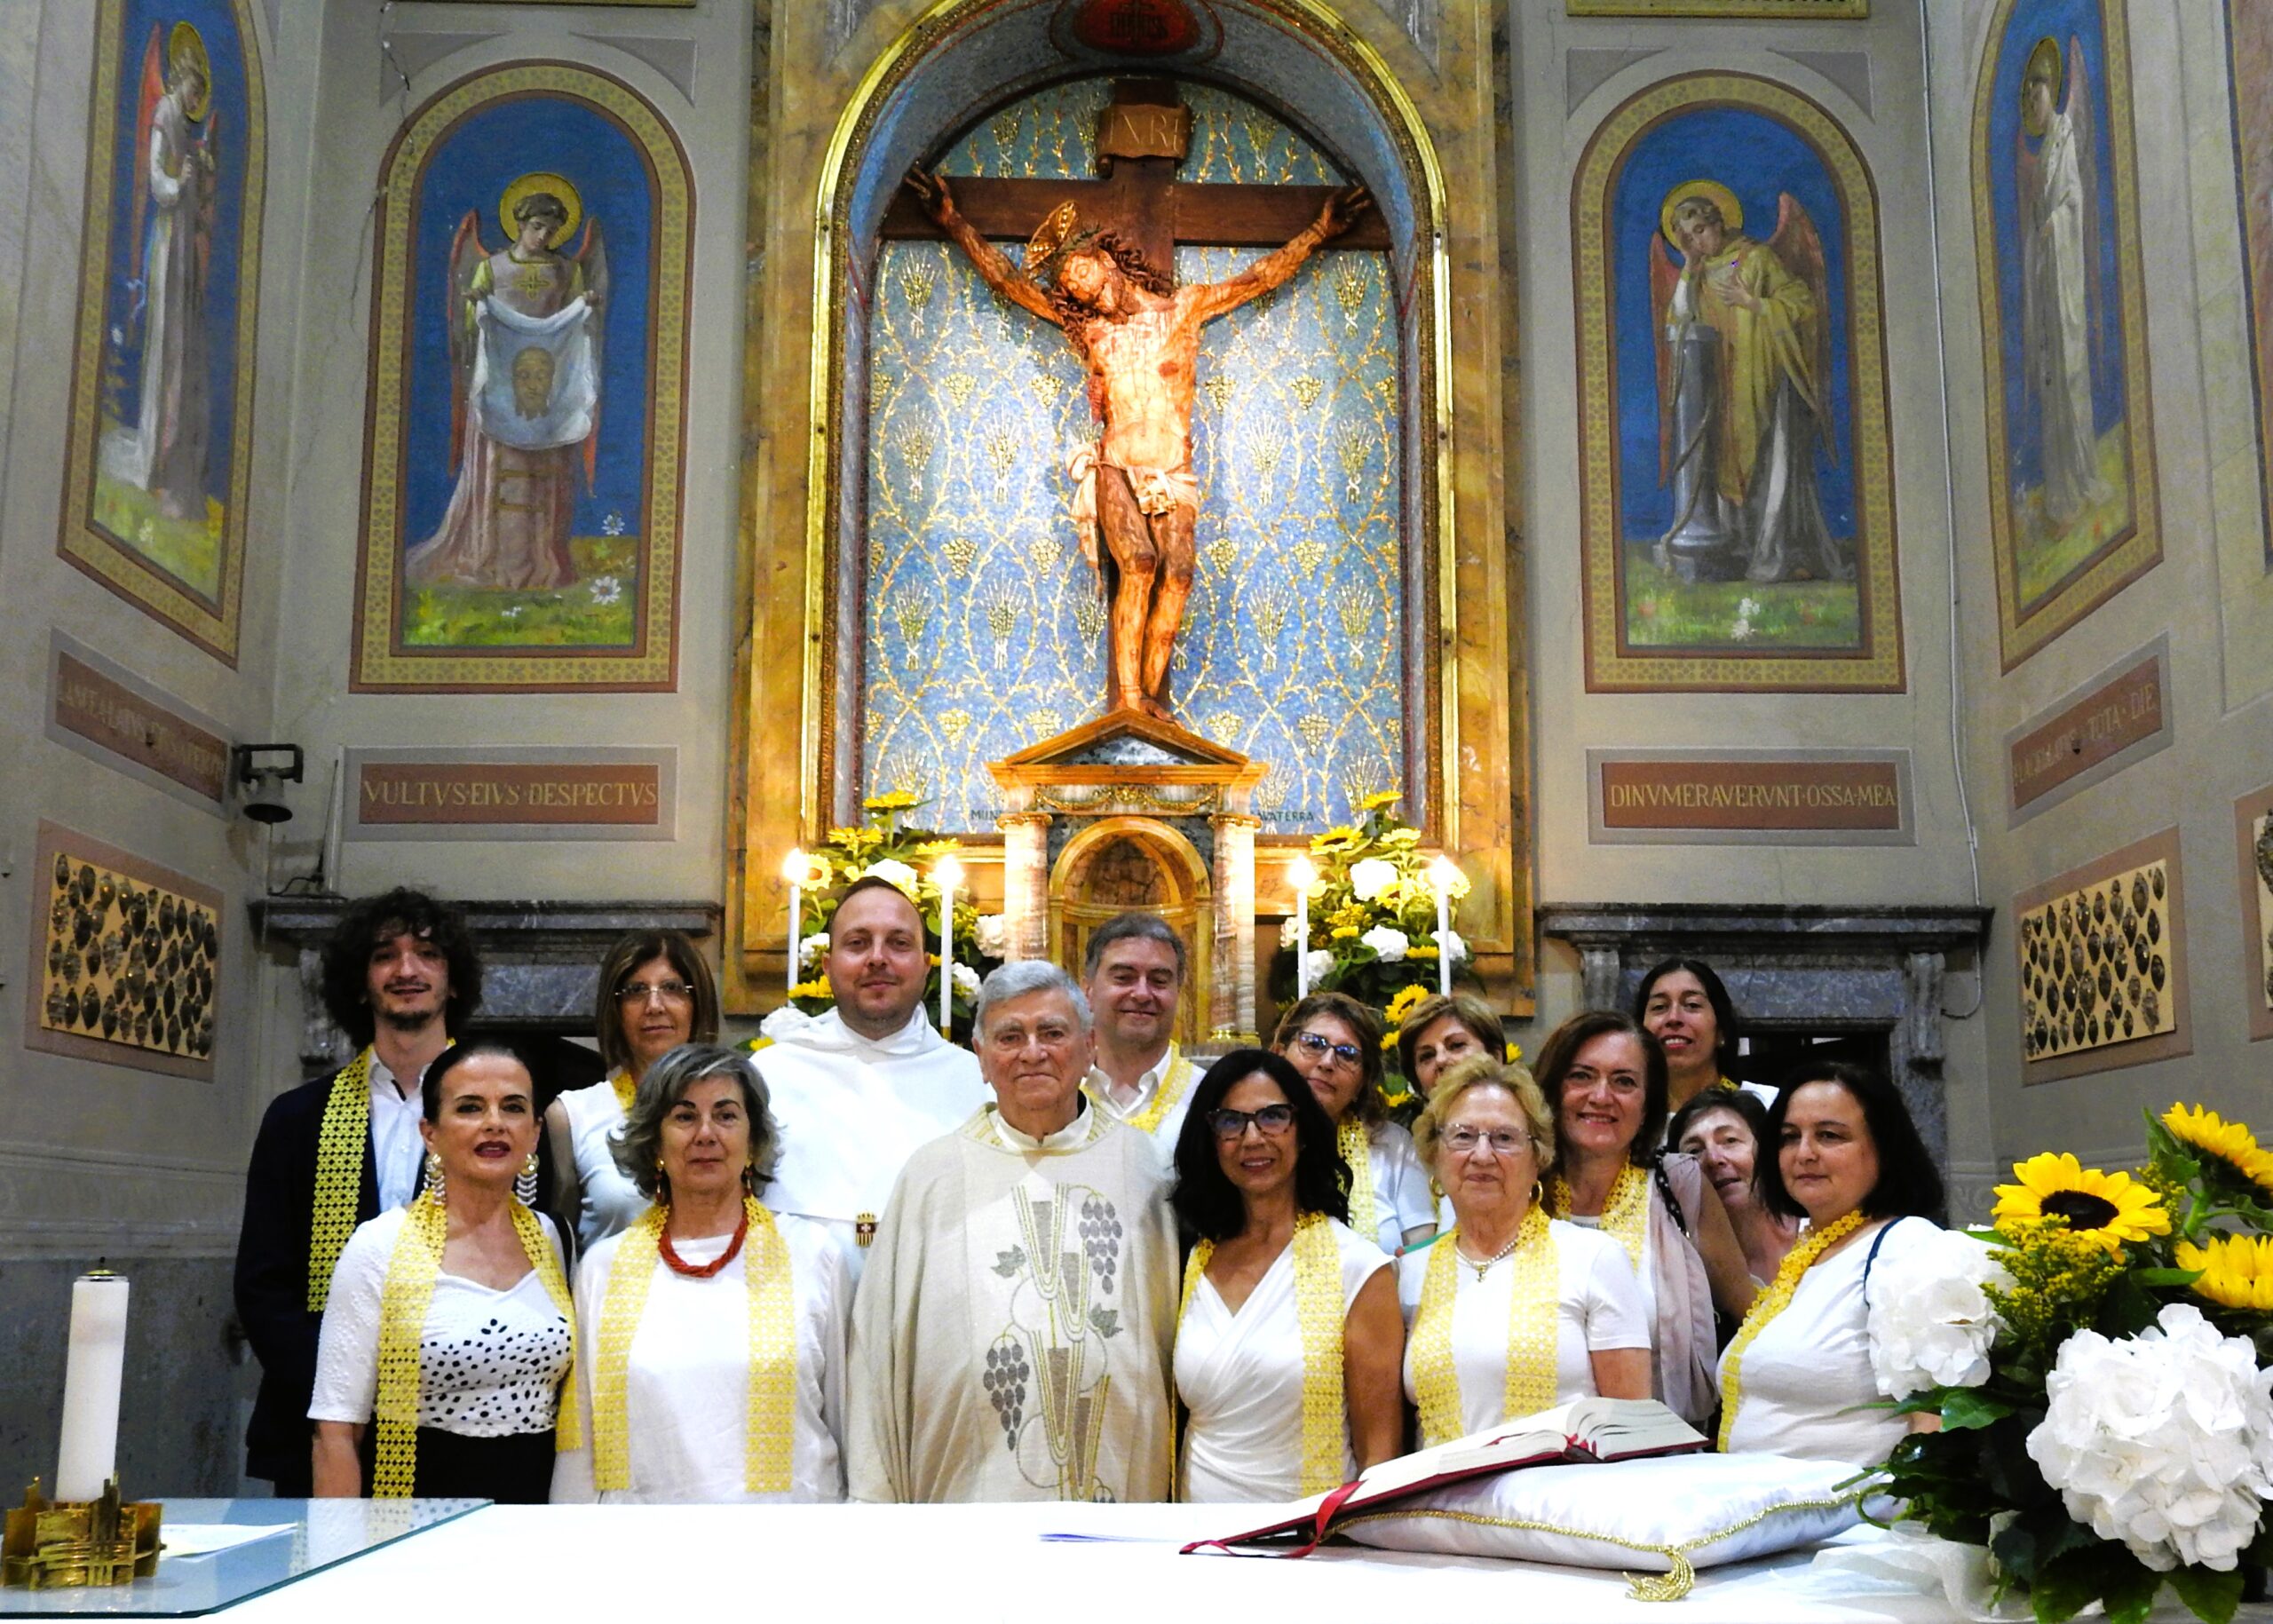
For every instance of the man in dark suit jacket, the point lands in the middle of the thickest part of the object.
(400, 977)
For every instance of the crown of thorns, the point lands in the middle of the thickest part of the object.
(1056, 240)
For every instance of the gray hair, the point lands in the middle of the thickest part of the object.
(1123, 927)
(637, 1147)
(1020, 976)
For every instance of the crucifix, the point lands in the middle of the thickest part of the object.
(1109, 248)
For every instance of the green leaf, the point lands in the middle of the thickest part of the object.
(2165, 1277)
(2061, 1592)
(2130, 1589)
(1963, 1408)
(2213, 1597)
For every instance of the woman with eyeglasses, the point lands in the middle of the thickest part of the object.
(1604, 1076)
(654, 994)
(1510, 1311)
(1288, 1338)
(1336, 1043)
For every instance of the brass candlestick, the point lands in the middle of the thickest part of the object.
(79, 1543)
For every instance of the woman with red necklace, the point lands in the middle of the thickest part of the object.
(716, 1371)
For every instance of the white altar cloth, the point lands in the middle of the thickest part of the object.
(945, 1563)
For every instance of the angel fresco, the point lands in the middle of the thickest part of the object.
(2061, 319)
(1743, 375)
(525, 325)
(164, 451)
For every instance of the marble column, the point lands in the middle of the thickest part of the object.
(1025, 884)
(1231, 1009)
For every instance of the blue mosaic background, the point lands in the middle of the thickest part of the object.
(982, 626)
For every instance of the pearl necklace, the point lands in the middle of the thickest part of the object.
(1502, 1255)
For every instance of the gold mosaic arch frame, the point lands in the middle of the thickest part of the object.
(1613, 666)
(840, 170)
(2021, 631)
(379, 663)
(209, 622)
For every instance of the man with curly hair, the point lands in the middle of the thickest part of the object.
(401, 977)
(1138, 337)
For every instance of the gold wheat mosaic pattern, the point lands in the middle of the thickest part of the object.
(984, 630)
(2096, 965)
(128, 962)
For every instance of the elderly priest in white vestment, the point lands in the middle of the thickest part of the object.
(855, 1091)
(1012, 1335)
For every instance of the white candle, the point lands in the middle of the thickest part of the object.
(1303, 876)
(334, 822)
(794, 869)
(947, 874)
(93, 1371)
(1443, 876)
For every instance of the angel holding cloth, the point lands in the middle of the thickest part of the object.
(1743, 379)
(525, 352)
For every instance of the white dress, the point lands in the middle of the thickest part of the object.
(1810, 1367)
(687, 1380)
(610, 1200)
(1599, 1308)
(490, 1361)
(1240, 1375)
(1402, 1198)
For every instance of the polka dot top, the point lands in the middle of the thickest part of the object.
(490, 1362)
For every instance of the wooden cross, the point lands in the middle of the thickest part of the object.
(1143, 137)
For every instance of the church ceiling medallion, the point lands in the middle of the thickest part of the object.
(1735, 461)
(2064, 317)
(158, 464)
(525, 431)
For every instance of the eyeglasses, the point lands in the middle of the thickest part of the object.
(1502, 1141)
(1230, 1124)
(640, 992)
(1318, 1048)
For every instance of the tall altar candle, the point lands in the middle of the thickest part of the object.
(93, 1369)
(1443, 876)
(947, 874)
(794, 869)
(1303, 876)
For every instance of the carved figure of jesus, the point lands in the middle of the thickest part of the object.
(1138, 338)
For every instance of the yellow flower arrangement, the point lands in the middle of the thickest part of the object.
(891, 800)
(2059, 1277)
(1380, 800)
(1514, 1053)
(817, 987)
(2237, 1270)
(2231, 1144)
(1407, 1001)
(2112, 1208)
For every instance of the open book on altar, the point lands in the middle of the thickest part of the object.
(1583, 1430)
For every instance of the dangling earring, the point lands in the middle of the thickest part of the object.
(524, 1181)
(662, 1185)
(435, 1186)
(1538, 1191)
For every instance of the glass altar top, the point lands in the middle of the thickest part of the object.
(215, 1553)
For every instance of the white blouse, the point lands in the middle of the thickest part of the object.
(686, 1388)
(1402, 1198)
(490, 1361)
(1804, 1375)
(1240, 1375)
(610, 1200)
(1599, 1308)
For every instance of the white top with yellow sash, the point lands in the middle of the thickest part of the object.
(1163, 1097)
(608, 1199)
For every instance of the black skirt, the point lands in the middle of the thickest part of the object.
(513, 1471)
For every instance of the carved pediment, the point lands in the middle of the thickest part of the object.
(1128, 761)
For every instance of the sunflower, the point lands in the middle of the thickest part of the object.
(2111, 1207)
(891, 800)
(2228, 1146)
(1403, 1004)
(1381, 799)
(2237, 1270)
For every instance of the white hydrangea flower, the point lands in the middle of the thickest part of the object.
(1931, 1322)
(813, 949)
(1454, 946)
(995, 935)
(1370, 876)
(1388, 942)
(1289, 934)
(2163, 1440)
(967, 980)
(892, 868)
(1320, 965)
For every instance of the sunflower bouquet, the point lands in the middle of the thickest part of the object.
(2098, 1358)
(882, 847)
(1373, 914)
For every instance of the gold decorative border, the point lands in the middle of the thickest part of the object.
(1612, 665)
(1844, 9)
(209, 624)
(839, 174)
(380, 662)
(2021, 634)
